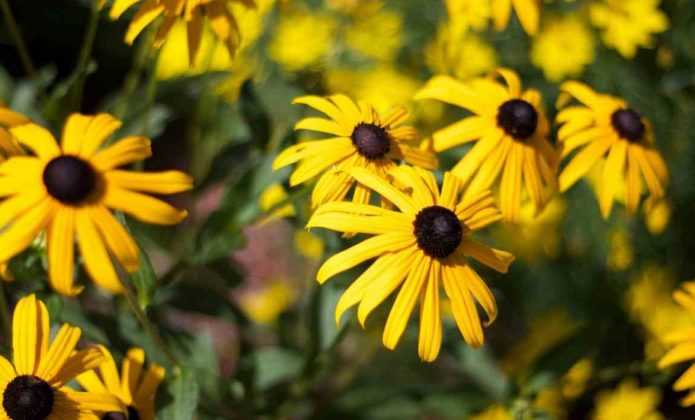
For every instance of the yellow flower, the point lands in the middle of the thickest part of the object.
(267, 303)
(270, 199)
(657, 214)
(628, 402)
(135, 389)
(463, 56)
(510, 132)
(377, 33)
(528, 11)
(604, 125)
(621, 253)
(9, 119)
(308, 244)
(468, 14)
(563, 48)
(683, 342)
(384, 87)
(359, 138)
(421, 245)
(67, 191)
(302, 39)
(628, 24)
(33, 386)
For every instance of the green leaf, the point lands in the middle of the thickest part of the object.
(186, 392)
(275, 365)
(144, 280)
(483, 370)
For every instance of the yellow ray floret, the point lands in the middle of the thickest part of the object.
(528, 11)
(68, 189)
(135, 387)
(683, 342)
(421, 245)
(605, 129)
(510, 132)
(357, 137)
(34, 384)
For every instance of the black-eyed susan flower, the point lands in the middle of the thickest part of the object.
(135, 387)
(683, 342)
(421, 245)
(66, 190)
(528, 12)
(33, 385)
(628, 24)
(563, 48)
(358, 137)
(510, 132)
(198, 15)
(605, 129)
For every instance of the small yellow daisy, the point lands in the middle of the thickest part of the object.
(683, 342)
(198, 14)
(510, 132)
(135, 387)
(605, 125)
(359, 137)
(528, 11)
(33, 386)
(67, 191)
(424, 243)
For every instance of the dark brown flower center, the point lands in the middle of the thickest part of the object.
(27, 397)
(371, 141)
(629, 125)
(69, 179)
(132, 415)
(438, 231)
(518, 118)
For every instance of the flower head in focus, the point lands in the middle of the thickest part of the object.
(135, 387)
(563, 48)
(510, 132)
(67, 191)
(628, 24)
(359, 137)
(197, 14)
(34, 384)
(421, 245)
(606, 129)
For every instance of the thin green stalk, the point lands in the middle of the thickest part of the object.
(131, 81)
(5, 317)
(17, 38)
(85, 54)
(150, 330)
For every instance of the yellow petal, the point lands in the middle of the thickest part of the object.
(308, 149)
(405, 302)
(581, 163)
(452, 91)
(131, 369)
(148, 387)
(385, 189)
(96, 259)
(528, 12)
(323, 105)
(7, 372)
(22, 232)
(510, 192)
(85, 402)
(117, 238)
(30, 334)
(430, 337)
(120, 6)
(147, 13)
(501, 10)
(61, 348)
(613, 177)
(461, 132)
(61, 258)
(167, 182)
(462, 306)
(477, 155)
(38, 139)
(679, 353)
(494, 258)
(323, 125)
(124, 151)
(143, 207)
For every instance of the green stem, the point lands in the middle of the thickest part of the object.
(17, 38)
(5, 317)
(147, 325)
(131, 80)
(85, 55)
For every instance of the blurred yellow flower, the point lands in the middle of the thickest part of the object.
(535, 236)
(302, 39)
(264, 305)
(468, 14)
(628, 402)
(495, 412)
(563, 48)
(555, 399)
(198, 16)
(657, 214)
(528, 12)
(544, 332)
(376, 33)
(460, 54)
(683, 342)
(384, 87)
(649, 302)
(621, 253)
(628, 24)
(308, 244)
(271, 197)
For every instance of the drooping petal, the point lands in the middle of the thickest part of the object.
(477, 155)
(143, 207)
(496, 259)
(147, 13)
(386, 190)
(449, 90)
(581, 163)
(61, 255)
(38, 139)
(323, 105)
(462, 306)
(430, 337)
(166, 182)
(613, 176)
(24, 229)
(127, 150)
(96, 259)
(117, 238)
(510, 193)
